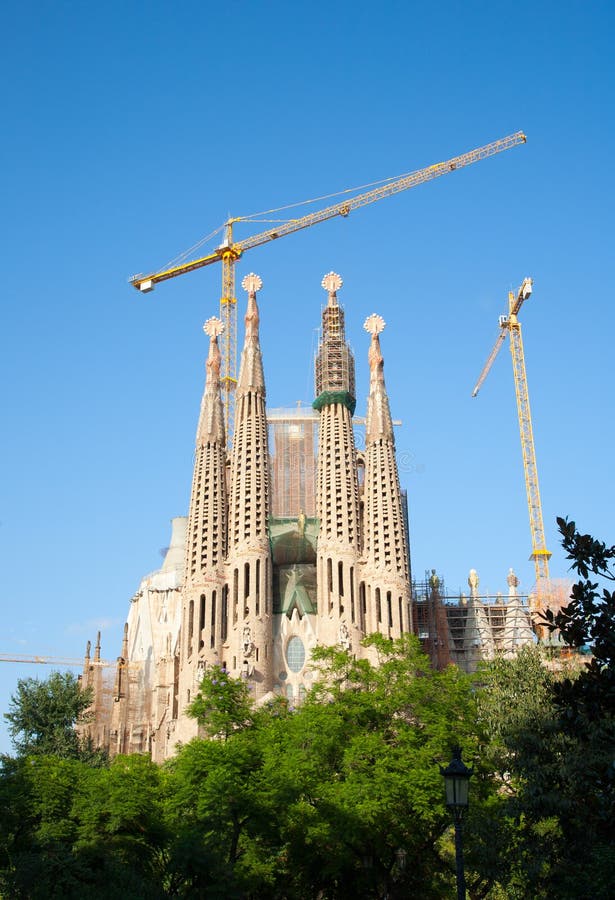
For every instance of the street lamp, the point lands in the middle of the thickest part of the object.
(457, 782)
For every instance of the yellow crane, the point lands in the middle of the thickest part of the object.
(230, 250)
(510, 325)
(65, 662)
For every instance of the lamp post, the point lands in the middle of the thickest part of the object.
(457, 781)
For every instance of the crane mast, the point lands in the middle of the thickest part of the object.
(230, 251)
(510, 325)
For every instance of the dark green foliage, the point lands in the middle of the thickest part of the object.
(43, 714)
(585, 713)
(588, 621)
(73, 831)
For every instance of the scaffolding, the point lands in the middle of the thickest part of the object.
(335, 361)
(465, 630)
(293, 439)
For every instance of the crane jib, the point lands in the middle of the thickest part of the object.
(230, 250)
(145, 283)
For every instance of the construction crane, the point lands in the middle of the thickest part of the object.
(230, 250)
(64, 661)
(510, 325)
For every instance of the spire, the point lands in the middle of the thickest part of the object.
(379, 423)
(517, 626)
(97, 648)
(120, 686)
(249, 555)
(478, 636)
(512, 582)
(337, 497)
(206, 529)
(251, 375)
(335, 381)
(211, 420)
(385, 543)
(249, 507)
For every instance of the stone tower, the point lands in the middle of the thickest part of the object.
(204, 621)
(266, 582)
(337, 486)
(384, 589)
(249, 557)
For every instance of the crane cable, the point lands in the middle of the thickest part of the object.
(253, 217)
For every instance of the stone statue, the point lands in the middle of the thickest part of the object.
(247, 643)
(344, 636)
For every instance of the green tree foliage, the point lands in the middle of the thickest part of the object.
(339, 798)
(588, 621)
(523, 747)
(43, 714)
(71, 831)
(550, 739)
(585, 710)
(222, 705)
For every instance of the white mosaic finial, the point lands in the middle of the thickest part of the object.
(213, 327)
(374, 324)
(332, 282)
(252, 283)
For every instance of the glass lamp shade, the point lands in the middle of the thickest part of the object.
(456, 781)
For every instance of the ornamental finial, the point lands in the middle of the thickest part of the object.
(252, 283)
(374, 324)
(332, 282)
(213, 327)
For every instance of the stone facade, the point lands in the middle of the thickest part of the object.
(254, 591)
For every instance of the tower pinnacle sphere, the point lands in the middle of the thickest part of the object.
(252, 283)
(332, 282)
(213, 327)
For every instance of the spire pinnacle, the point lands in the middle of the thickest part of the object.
(213, 327)
(251, 284)
(251, 369)
(211, 419)
(332, 282)
(379, 422)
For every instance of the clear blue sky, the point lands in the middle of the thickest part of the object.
(130, 130)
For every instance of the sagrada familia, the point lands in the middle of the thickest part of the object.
(294, 538)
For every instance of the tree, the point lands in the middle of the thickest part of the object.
(523, 747)
(341, 797)
(588, 621)
(43, 714)
(586, 714)
(549, 739)
(223, 704)
(69, 830)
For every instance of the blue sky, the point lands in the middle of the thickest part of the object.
(131, 130)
